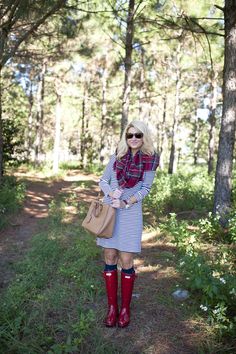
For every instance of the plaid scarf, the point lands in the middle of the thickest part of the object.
(130, 170)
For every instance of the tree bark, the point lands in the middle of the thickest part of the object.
(223, 177)
(82, 140)
(28, 134)
(1, 131)
(196, 140)
(128, 64)
(56, 150)
(84, 126)
(142, 87)
(163, 137)
(40, 114)
(212, 128)
(173, 152)
(104, 110)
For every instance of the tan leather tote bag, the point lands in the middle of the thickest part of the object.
(100, 219)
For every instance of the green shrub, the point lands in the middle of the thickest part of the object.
(96, 169)
(211, 278)
(70, 165)
(181, 192)
(211, 229)
(12, 194)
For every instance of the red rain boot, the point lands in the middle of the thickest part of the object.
(127, 284)
(111, 287)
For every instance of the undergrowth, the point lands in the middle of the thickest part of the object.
(12, 194)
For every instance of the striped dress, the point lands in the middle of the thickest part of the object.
(128, 228)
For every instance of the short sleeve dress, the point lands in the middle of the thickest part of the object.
(127, 233)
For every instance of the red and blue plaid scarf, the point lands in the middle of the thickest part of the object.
(130, 170)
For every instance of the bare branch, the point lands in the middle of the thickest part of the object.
(170, 23)
(219, 7)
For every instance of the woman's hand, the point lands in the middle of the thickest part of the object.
(116, 194)
(117, 203)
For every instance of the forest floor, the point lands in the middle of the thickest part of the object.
(160, 324)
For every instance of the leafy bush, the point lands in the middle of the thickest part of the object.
(96, 169)
(181, 192)
(211, 229)
(71, 165)
(12, 194)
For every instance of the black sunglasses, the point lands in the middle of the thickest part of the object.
(137, 135)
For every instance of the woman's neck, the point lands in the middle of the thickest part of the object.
(134, 151)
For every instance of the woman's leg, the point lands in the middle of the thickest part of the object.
(126, 260)
(110, 256)
(127, 283)
(111, 280)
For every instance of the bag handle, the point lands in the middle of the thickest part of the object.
(97, 209)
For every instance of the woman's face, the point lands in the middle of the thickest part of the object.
(134, 139)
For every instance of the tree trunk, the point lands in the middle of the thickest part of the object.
(196, 140)
(28, 135)
(56, 152)
(104, 110)
(84, 126)
(82, 140)
(40, 114)
(223, 178)
(128, 64)
(173, 151)
(1, 132)
(142, 87)
(212, 128)
(163, 137)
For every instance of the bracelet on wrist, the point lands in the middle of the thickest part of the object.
(127, 205)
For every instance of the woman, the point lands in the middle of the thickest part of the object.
(126, 180)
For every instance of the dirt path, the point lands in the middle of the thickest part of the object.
(160, 325)
(15, 238)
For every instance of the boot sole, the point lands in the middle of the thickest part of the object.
(123, 326)
(110, 326)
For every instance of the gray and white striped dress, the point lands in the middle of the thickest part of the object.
(128, 228)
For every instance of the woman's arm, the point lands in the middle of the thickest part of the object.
(104, 182)
(145, 189)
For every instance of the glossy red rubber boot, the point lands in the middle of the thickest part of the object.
(127, 284)
(111, 281)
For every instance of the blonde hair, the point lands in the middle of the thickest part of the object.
(146, 148)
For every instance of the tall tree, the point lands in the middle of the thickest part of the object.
(128, 63)
(196, 133)
(223, 178)
(212, 121)
(104, 106)
(40, 112)
(28, 131)
(173, 151)
(57, 134)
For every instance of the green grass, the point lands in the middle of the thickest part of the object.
(49, 306)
